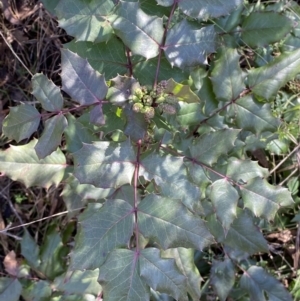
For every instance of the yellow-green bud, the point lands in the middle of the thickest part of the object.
(137, 107)
(147, 100)
(135, 98)
(150, 112)
(160, 99)
(139, 93)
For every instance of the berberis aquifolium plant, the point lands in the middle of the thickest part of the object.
(170, 98)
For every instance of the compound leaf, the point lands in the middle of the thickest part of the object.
(21, 122)
(171, 224)
(47, 93)
(105, 164)
(102, 229)
(21, 163)
(80, 80)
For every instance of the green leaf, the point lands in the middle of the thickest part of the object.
(85, 20)
(51, 138)
(187, 46)
(80, 80)
(266, 81)
(209, 147)
(105, 164)
(189, 114)
(140, 32)
(30, 250)
(171, 224)
(37, 291)
(165, 2)
(102, 229)
(17, 161)
(120, 278)
(184, 259)
(10, 289)
(97, 116)
(47, 93)
(222, 277)
(227, 77)
(257, 281)
(204, 9)
(162, 274)
(263, 199)
(224, 198)
(263, 28)
(21, 122)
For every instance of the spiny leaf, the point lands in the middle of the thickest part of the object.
(80, 80)
(263, 28)
(102, 229)
(87, 21)
(189, 114)
(120, 278)
(171, 224)
(140, 32)
(257, 281)
(47, 93)
(204, 9)
(263, 199)
(227, 77)
(51, 138)
(266, 81)
(209, 147)
(188, 46)
(96, 115)
(21, 163)
(105, 164)
(21, 122)
(162, 274)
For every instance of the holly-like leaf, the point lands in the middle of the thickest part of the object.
(102, 229)
(189, 114)
(30, 250)
(188, 46)
(96, 115)
(87, 21)
(209, 147)
(222, 277)
(80, 80)
(10, 289)
(204, 9)
(47, 93)
(263, 199)
(184, 259)
(51, 138)
(171, 224)
(266, 80)
(21, 122)
(165, 2)
(37, 290)
(256, 281)
(105, 164)
(227, 77)
(263, 28)
(21, 163)
(142, 33)
(120, 278)
(224, 198)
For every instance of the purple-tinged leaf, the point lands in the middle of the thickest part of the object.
(80, 80)
(47, 93)
(97, 116)
(21, 122)
(51, 137)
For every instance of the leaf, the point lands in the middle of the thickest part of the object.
(47, 93)
(87, 21)
(263, 28)
(140, 32)
(189, 114)
(184, 259)
(187, 46)
(165, 2)
(105, 164)
(257, 281)
(10, 289)
(171, 224)
(80, 80)
(120, 278)
(227, 76)
(37, 291)
(102, 229)
(97, 116)
(266, 81)
(30, 250)
(204, 9)
(263, 199)
(224, 198)
(51, 138)
(209, 147)
(162, 274)
(21, 122)
(18, 161)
